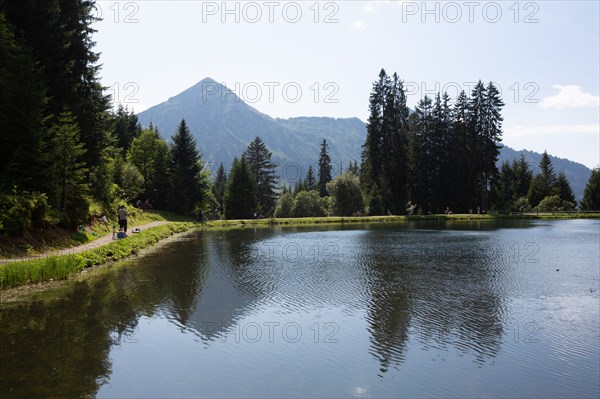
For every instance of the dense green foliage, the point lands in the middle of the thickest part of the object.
(240, 198)
(553, 203)
(346, 195)
(307, 204)
(542, 184)
(189, 179)
(435, 158)
(285, 206)
(258, 157)
(591, 194)
(219, 186)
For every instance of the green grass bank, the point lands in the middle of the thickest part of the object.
(61, 267)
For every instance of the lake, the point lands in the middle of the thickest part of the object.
(430, 309)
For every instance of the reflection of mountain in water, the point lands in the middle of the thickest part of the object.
(229, 287)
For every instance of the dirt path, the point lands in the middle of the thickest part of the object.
(107, 239)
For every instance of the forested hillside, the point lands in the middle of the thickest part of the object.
(66, 156)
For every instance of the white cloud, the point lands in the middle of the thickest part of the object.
(368, 7)
(359, 25)
(523, 131)
(372, 5)
(570, 96)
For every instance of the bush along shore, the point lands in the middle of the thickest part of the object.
(61, 267)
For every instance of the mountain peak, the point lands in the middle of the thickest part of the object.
(205, 91)
(208, 79)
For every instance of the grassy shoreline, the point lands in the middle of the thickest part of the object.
(61, 267)
(216, 224)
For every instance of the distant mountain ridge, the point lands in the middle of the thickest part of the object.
(223, 125)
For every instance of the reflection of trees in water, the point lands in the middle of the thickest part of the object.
(426, 287)
(60, 347)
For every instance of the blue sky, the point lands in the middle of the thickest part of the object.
(320, 58)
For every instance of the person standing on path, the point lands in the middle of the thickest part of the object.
(122, 218)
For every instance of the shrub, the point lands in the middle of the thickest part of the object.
(553, 203)
(285, 206)
(347, 198)
(306, 204)
(374, 204)
(325, 204)
(522, 205)
(20, 211)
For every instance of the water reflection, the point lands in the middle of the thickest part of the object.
(424, 286)
(394, 294)
(230, 287)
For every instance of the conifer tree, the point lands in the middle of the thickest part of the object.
(353, 168)
(240, 199)
(189, 180)
(65, 151)
(125, 128)
(522, 175)
(562, 188)
(394, 150)
(258, 158)
(462, 194)
(504, 187)
(422, 162)
(371, 154)
(22, 102)
(310, 183)
(219, 186)
(591, 193)
(325, 168)
(542, 184)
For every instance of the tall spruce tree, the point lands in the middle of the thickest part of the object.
(562, 188)
(189, 180)
(258, 157)
(59, 33)
(542, 184)
(371, 157)
(65, 152)
(384, 157)
(522, 177)
(422, 160)
(219, 187)
(485, 124)
(310, 182)
(353, 168)
(439, 152)
(125, 128)
(325, 169)
(240, 199)
(22, 103)
(591, 193)
(504, 188)
(394, 150)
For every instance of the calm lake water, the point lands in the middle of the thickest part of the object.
(462, 309)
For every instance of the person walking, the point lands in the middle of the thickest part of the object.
(104, 220)
(122, 218)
